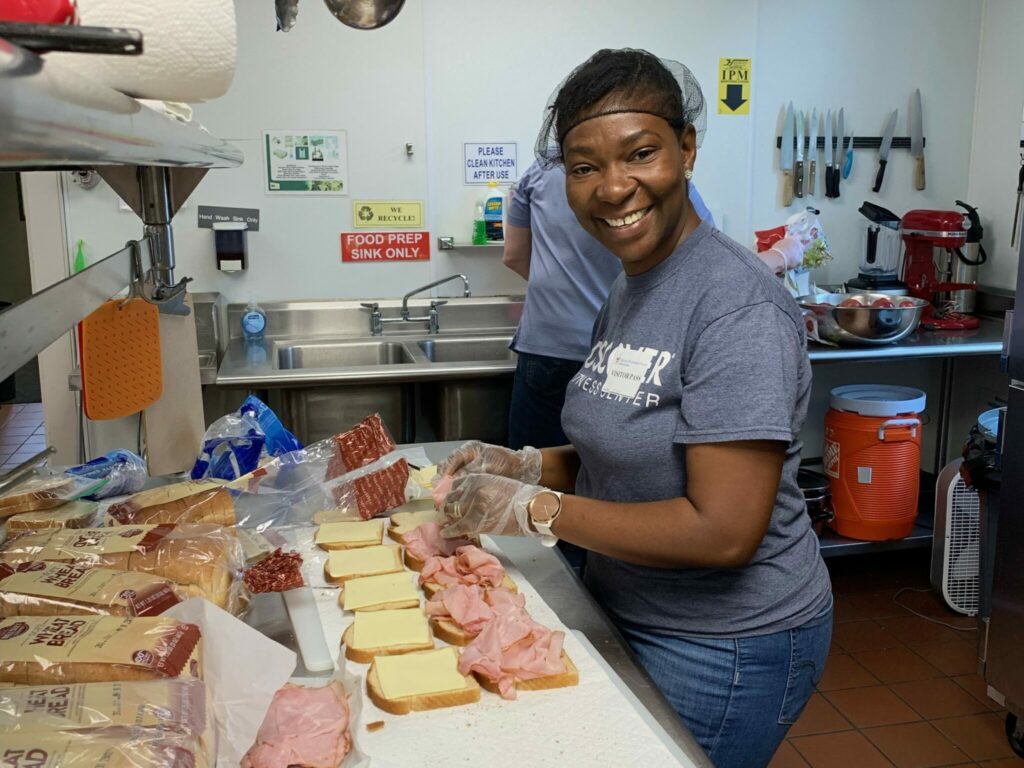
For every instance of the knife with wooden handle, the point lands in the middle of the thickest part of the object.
(917, 139)
(786, 156)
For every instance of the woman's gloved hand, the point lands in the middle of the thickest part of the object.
(481, 503)
(477, 457)
(786, 254)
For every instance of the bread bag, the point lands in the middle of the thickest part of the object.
(188, 502)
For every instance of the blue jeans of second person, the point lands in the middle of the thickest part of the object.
(535, 415)
(737, 696)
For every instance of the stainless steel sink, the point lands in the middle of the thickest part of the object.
(478, 350)
(343, 354)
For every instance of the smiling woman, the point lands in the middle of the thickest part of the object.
(684, 424)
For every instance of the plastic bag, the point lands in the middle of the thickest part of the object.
(138, 748)
(235, 444)
(123, 470)
(794, 248)
(46, 489)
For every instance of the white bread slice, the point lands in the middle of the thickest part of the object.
(392, 632)
(431, 588)
(349, 534)
(74, 514)
(447, 630)
(346, 564)
(381, 592)
(403, 522)
(412, 562)
(446, 658)
(571, 676)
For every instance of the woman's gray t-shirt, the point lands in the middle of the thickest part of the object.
(727, 361)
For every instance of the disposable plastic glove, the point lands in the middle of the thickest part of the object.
(477, 457)
(481, 503)
(786, 254)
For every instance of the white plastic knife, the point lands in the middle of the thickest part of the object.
(917, 139)
(883, 151)
(786, 157)
(812, 152)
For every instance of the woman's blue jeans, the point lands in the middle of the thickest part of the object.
(737, 696)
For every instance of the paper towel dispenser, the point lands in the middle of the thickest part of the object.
(230, 243)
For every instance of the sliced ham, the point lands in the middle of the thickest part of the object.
(469, 565)
(511, 647)
(426, 541)
(440, 490)
(471, 607)
(307, 727)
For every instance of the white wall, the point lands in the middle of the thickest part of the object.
(867, 56)
(995, 157)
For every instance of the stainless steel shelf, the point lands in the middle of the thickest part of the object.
(53, 118)
(451, 244)
(834, 545)
(985, 340)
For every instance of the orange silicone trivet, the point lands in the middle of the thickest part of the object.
(119, 345)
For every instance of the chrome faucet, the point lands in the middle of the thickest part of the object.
(377, 321)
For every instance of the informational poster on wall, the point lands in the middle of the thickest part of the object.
(306, 162)
(377, 214)
(491, 161)
(385, 246)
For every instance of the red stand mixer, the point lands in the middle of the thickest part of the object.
(932, 241)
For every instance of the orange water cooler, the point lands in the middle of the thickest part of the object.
(872, 456)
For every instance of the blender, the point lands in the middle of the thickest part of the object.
(879, 269)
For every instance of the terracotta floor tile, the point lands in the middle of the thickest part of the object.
(983, 737)
(914, 631)
(786, 756)
(864, 636)
(937, 698)
(843, 610)
(871, 707)
(896, 665)
(976, 686)
(931, 604)
(877, 604)
(1008, 762)
(819, 716)
(951, 658)
(849, 749)
(845, 672)
(915, 745)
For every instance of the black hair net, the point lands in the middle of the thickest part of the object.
(623, 80)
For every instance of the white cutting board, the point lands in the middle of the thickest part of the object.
(174, 423)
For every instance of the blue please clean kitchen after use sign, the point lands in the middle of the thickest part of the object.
(486, 162)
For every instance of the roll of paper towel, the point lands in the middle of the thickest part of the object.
(189, 48)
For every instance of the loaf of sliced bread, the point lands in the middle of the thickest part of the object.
(419, 681)
(346, 564)
(386, 633)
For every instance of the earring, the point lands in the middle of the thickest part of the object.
(688, 174)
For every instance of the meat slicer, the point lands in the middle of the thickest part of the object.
(932, 241)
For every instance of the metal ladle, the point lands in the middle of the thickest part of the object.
(364, 14)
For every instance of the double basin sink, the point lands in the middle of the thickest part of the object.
(393, 352)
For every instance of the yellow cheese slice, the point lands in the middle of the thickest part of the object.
(403, 522)
(364, 561)
(349, 533)
(424, 477)
(416, 674)
(375, 590)
(382, 629)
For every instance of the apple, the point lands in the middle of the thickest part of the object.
(850, 303)
(907, 304)
(882, 303)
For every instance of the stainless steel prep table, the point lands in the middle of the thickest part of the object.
(576, 607)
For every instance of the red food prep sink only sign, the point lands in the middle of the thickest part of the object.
(385, 246)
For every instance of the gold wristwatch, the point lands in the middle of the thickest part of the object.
(543, 509)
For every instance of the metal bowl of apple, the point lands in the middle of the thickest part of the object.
(864, 318)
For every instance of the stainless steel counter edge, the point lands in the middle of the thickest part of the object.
(562, 590)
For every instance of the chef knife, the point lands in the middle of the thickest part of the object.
(799, 182)
(828, 153)
(837, 173)
(883, 151)
(812, 152)
(917, 139)
(848, 165)
(786, 158)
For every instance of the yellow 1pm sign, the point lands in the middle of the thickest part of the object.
(734, 86)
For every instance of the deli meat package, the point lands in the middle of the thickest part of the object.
(187, 502)
(372, 491)
(106, 749)
(366, 442)
(43, 650)
(43, 588)
(205, 560)
(176, 705)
